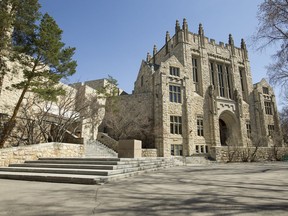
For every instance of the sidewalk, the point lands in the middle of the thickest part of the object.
(216, 189)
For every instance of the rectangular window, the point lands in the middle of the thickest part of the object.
(174, 71)
(197, 148)
(206, 149)
(229, 82)
(271, 130)
(195, 73)
(212, 72)
(241, 78)
(221, 80)
(142, 80)
(248, 129)
(200, 128)
(175, 124)
(195, 70)
(268, 108)
(265, 90)
(176, 150)
(175, 94)
(201, 148)
(243, 82)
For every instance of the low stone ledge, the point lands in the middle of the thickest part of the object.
(149, 152)
(19, 154)
(245, 154)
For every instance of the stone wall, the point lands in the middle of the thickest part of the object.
(241, 154)
(33, 152)
(149, 152)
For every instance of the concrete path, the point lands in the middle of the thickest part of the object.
(217, 189)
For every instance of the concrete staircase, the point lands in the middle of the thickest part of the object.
(82, 170)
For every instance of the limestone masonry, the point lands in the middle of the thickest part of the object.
(194, 95)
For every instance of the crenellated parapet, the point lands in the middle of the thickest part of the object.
(197, 41)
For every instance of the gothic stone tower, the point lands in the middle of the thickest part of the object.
(203, 96)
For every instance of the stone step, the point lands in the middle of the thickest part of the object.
(59, 170)
(82, 170)
(81, 159)
(86, 166)
(67, 166)
(71, 178)
(51, 177)
(93, 161)
(74, 162)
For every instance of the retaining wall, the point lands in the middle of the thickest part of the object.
(33, 152)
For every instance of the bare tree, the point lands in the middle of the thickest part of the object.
(273, 30)
(44, 121)
(284, 118)
(137, 125)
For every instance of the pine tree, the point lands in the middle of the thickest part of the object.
(17, 15)
(45, 60)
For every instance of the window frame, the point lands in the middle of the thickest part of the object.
(175, 93)
(174, 71)
(176, 150)
(265, 90)
(175, 124)
(271, 130)
(268, 108)
(248, 129)
(200, 126)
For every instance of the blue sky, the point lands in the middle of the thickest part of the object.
(113, 36)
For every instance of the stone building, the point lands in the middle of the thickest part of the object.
(199, 96)
(193, 96)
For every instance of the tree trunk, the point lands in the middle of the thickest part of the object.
(1, 82)
(8, 127)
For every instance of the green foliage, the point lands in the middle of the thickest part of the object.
(37, 46)
(19, 16)
(46, 60)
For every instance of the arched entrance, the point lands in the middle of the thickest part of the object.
(228, 128)
(223, 132)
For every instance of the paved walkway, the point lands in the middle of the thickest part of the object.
(217, 189)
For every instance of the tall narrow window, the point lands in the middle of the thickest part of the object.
(243, 82)
(248, 129)
(221, 80)
(175, 94)
(175, 124)
(195, 72)
(212, 72)
(142, 80)
(229, 83)
(268, 107)
(174, 71)
(271, 130)
(200, 128)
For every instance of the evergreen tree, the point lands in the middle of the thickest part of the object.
(45, 61)
(17, 15)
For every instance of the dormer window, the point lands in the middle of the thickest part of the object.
(265, 90)
(174, 71)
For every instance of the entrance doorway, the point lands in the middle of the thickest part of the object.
(223, 132)
(229, 130)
